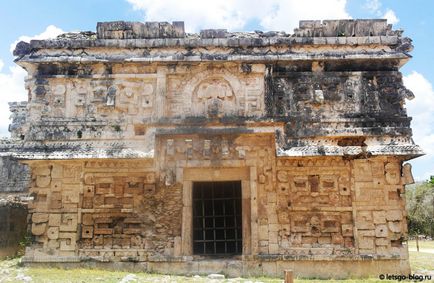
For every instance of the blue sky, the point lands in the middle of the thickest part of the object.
(25, 19)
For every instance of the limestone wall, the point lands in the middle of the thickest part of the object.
(379, 206)
(13, 228)
(334, 208)
(101, 106)
(14, 176)
(120, 124)
(14, 188)
(308, 210)
(140, 210)
(102, 208)
(330, 83)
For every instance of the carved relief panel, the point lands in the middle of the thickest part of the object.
(54, 211)
(312, 201)
(214, 98)
(337, 93)
(379, 191)
(101, 96)
(215, 93)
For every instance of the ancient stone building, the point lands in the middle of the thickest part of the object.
(13, 219)
(14, 185)
(242, 153)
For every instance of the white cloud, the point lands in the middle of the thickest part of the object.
(236, 14)
(50, 32)
(12, 79)
(373, 6)
(288, 13)
(11, 89)
(391, 17)
(214, 14)
(421, 109)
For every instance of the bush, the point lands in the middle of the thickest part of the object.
(420, 207)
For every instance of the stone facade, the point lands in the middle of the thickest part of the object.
(121, 124)
(15, 179)
(13, 227)
(14, 176)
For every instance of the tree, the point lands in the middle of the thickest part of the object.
(420, 207)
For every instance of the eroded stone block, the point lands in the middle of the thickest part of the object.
(42, 170)
(72, 171)
(337, 239)
(89, 191)
(103, 231)
(379, 217)
(69, 223)
(54, 220)
(57, 171)
(364, 220)
(55, 200)
(407, 175)
(262, 179)
(87, 219)
(366, 240)
(263, 232)
(282, 176)
(68, 241)
(53, 244)
(362, 170)
(381, 231)
(53, 233)
(87, 202)
(70, 196)
(393, 174)
(89, 179)
(38, 229)
(330, 226)
(56, 185)
(150, 178)
(283, 217)
(395, 226)
(394, 215)
(43, 181)
(87, 232)
(382, 242)
(39, 217)
(347, 230)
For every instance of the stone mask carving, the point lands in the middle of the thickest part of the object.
(213, 93)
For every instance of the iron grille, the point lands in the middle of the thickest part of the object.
(217, 218)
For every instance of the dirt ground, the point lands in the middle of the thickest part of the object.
(422, 263)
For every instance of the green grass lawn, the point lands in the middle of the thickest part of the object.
(422, 261)
(422, 244)
(11, 271)
(54, 275)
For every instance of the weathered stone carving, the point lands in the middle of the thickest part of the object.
(216, 97)
(407, 175)
(122, 123)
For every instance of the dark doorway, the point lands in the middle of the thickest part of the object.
(217, 218)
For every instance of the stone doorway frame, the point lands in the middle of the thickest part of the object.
(246, 175)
